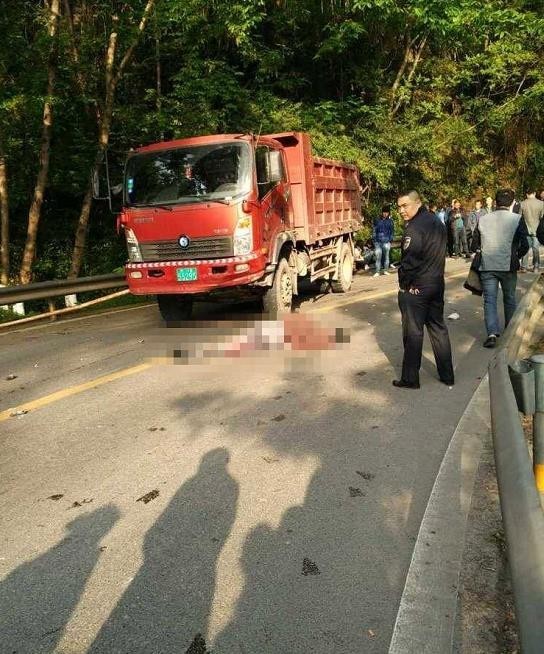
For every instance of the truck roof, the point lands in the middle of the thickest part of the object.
(197, 140)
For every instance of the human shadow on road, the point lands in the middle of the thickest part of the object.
(38, 598)
(166, 607)
(309, 579)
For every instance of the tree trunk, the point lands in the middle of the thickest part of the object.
(35, 210)
(415, 63)
(4, 222)
(112, 79)
(400, 73)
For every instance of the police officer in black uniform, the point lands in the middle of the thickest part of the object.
(421, 291)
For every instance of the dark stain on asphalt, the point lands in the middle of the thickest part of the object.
(365, 475)
(56, 497)
(198, 646)
(148, 497)
(269, 459)
(362, 373)
(309, 568)
(278, 397)
(355, 492)
(279, 418)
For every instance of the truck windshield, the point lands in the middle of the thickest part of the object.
(190, 174)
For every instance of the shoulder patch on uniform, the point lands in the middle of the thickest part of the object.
(406, 242)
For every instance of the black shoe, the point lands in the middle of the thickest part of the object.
(448, 382)
(400, 383)
(491, 341)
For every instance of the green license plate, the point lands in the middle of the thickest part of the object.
(186, 274)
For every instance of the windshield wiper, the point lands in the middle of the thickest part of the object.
(168, 207)
(199, 199)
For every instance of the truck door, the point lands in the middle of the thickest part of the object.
(273, 192)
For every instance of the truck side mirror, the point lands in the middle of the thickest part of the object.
(275, 167)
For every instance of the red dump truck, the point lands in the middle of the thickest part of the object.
(237, 215)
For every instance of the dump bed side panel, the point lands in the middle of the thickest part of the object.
(326, 200)
(337, 203)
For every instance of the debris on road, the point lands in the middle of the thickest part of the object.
(56, 497)
(355, 492)
(148, 496)
(369, 476)
(454, 316)
(269, 459)
(10, 377)
(77, 504)
(14, 413)
(198, 646)
(309, 568)
(279, 418)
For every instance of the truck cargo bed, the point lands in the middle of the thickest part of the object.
(326, 193)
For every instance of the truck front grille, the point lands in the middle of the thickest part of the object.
(198, 248)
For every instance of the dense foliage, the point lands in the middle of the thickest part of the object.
(445, 96)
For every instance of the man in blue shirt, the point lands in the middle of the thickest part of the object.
(382, 235)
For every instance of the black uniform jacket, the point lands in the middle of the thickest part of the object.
(423, 251)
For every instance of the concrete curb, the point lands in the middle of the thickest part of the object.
(426, 616)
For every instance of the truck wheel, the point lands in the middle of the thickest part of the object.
(175, 308)
(345, 271)
(279, 297)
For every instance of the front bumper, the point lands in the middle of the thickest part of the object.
(159, 277)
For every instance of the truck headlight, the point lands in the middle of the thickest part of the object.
(243, 241)
(133, 247)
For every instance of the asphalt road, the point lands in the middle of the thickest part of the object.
(260, 506)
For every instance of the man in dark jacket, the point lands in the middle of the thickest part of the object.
(501, 237)
(458, 228)
(421, 292)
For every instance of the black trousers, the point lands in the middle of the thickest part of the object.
(424, 310)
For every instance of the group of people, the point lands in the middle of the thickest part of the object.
(461, 224)
(500, 236)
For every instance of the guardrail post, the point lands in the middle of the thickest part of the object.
(538, 421)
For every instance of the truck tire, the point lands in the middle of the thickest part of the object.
(345, 271)
(278, 298)
(175, 308)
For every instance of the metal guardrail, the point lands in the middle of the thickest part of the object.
(522, 513)
(55, 288)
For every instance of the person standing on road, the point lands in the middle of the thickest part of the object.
(472, 221)
(382, 235)
(532, 211)
(457, 225)
(421, 291)
(501, 238)
(449, 230)
(488, 205)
